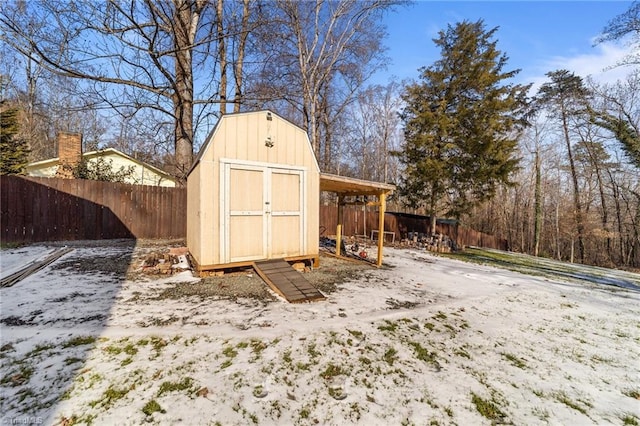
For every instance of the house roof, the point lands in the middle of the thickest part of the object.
(351, 186)
(100, 153)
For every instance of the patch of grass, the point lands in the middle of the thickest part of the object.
(39, 349)
(7, 347)
(629, 419)
(390, 355)
(110, 397)
(229, 352)
(462, 352)
(441, 316)
(389, 326)
(429, 326)
(72, 360)
(601, 360)
(226, 364)
(305, 413)
(563, 398)
(451, 329)
(242, 345)
(158, 343)
(126, 361)
(276, 409)
(152, 407)
(632, 393)
(332, 370)
(355, 333)
(184, 384)
(517, 362)
(301, 366)
(25, 393)
(130, 349)
(312, 351)
(422, 353)
(113, 350)
(79, 341)
(259, 391)
(486, 408)
(286, 356)
(355, 411)
(257, 346)
(541, 413)
(364, 360)
(18, 377)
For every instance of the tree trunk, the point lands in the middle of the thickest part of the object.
(538, 205)
(433, 213)
(244, 34)
(222, 53)
(616, 199)
(576, 190)
(558, 253)
(183, 96)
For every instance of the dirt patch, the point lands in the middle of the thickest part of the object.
(132, 262)
(239, 285)
(333, 272)
(116, 264)
(247, 284)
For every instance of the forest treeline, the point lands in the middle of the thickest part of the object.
(553, 169)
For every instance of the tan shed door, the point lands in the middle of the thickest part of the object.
(246, 221)
(263, 213)
(286, 214)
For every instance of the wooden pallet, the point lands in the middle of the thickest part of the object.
(286, 281)
(33, 267)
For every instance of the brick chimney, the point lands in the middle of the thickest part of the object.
(69, 153)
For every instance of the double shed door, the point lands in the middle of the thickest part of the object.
(263, 212)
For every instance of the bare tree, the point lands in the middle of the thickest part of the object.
(625, 25)
(319, 54)
(138, 54)
(373, 131)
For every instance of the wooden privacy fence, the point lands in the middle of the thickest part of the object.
(50, 209)
(359, 222)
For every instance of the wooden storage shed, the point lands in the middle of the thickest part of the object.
(253, 193)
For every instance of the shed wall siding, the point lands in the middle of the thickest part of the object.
(242, 137)
(194, 209)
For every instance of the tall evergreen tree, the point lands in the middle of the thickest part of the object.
(14, 151)
(461, 124)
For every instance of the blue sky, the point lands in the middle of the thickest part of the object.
(537, 36)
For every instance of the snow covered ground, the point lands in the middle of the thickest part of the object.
(426, 340)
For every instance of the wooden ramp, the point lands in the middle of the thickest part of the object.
(286, 281)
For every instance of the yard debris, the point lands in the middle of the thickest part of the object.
(167, 262)
(300, 267)
(33, 267)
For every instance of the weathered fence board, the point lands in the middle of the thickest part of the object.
(46, 209)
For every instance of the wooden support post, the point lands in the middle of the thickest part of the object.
(382, 197)
(339, 227)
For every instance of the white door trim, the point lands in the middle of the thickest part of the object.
(267, 168)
